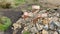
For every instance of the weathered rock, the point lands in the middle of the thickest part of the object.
(45, 21)
(46, 27)
(51, 25)
(44, 15)
(51, 32)
(35, 7)
(45, 32)
(39, 26)
(55, 32)
(42, 22)
(34, 30)
(57, 24)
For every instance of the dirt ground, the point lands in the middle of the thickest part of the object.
(13, 14)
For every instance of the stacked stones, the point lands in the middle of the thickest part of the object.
(39, 21)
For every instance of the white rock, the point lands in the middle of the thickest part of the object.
(58, 14)
(26, 13)
(44, 15)
(35, 7)
(25, 28)
(45, 32)
(16, 26)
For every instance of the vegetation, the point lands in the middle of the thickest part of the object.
(4, 23)
(10, 3)
(26, 32)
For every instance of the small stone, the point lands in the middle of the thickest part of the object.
(51, 25)
(55, 18)
(38, 33)
(31, 14)
(55, 32)
(43, 11)
(57, 24)
(46, 27)
(44, 15)
(44, 32)
(39, 26)
(45, 21)
(25, 13)
(34, 30)
(16, 26)
(25, 28)
(35, 7)
(50, 18)
(51, 32)
(58, 14)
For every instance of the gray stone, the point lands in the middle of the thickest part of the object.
(57, 24)
(51, 25)
(51, 32)
(46, 27)
(34, 30)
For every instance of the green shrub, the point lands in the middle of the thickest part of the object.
(26, 32)
(4, 23)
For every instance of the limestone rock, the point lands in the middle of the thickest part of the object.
(55, 32)
(44, 32)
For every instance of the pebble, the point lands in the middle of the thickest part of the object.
(57, 24)
(34, 30)
(55, 32)
(35, 7)
(51, 26)
(44, 15)
(45, 21)
(51, 32)
(46, 27)
(39, 26)
(44, 32)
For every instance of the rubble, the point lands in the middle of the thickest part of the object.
(40, 21)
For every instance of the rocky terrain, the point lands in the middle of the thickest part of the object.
(15, 14)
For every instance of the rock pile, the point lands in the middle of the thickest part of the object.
(39, 21)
